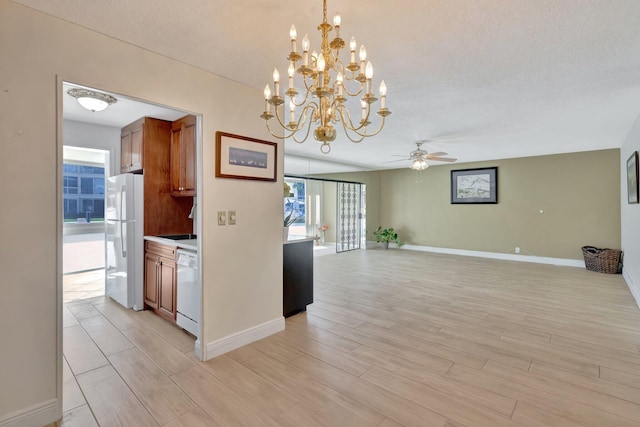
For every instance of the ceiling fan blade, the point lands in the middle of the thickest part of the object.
(398, 155)
(442, 159)
(399, 160)
(438, 154)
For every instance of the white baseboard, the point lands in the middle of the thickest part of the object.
(496, 255)
(197, 349)
(237, 340)
(633, 286)
(38, 415)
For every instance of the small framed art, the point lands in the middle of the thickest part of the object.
(241, 157)
(632, 178)
(474, 186)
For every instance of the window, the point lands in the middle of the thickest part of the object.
(70, 184)
(70, 209)
(296, 206)
(83, 189)
(86, 186)
(69, 168)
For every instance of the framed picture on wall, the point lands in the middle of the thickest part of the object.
(632, 178)
(241, 157)
(474, 186)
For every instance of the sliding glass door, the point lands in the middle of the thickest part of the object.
(350, 216)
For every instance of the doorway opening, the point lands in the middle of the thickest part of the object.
(91, 147)
(334, 212)
(83, 222)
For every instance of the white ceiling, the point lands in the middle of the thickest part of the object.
(485, 79)
(124, 111)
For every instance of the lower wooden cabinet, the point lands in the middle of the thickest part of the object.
(160, 279)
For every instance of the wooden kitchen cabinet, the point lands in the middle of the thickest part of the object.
(160, 279)
(146, 144)
(151, 261)
(131, 147)
(183, 157)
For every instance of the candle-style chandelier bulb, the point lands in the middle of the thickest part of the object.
(305, 43)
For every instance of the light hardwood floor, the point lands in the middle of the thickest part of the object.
(393, 338)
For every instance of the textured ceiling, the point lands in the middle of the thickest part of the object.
(482, 79)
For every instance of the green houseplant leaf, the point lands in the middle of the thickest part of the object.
(387, 235)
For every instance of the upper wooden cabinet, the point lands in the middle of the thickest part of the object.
(131, 147)
(183, 157)
(146, 149)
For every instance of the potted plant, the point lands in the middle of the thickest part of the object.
(386, 235)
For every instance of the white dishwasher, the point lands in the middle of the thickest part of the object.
(188, 294)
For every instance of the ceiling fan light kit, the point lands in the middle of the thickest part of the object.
(92, 100)
(328, 83)
(419, 164)
(419, 157)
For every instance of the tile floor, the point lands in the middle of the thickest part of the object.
(439, 340)
(116, 366)
(83, 285)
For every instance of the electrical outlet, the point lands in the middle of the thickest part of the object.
(517, 249)
(231, 217)
(222, 218)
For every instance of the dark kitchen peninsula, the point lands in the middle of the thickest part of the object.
(297, 286)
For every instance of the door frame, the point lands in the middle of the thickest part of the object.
(199, 349)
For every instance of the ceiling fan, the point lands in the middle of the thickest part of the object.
(419, 157)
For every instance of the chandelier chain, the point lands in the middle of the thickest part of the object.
(324, 11)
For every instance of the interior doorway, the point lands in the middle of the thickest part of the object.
(83, 235)
(91, 146)
(332, 211)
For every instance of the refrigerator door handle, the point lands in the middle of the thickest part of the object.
(123, 240)
(123, 234)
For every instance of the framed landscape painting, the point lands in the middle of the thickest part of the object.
(241, 157)
(474, 186)
(632, 178)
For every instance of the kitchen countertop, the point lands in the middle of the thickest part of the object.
(297, 239)
(191, 244)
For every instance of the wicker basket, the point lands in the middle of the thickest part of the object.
(601, 260)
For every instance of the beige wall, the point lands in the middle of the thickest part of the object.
(630, 217)
(36, 51)
(579, 194)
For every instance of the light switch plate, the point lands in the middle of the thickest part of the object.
(231, 215)
(222, 218)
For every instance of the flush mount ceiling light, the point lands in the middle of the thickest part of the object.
(92, 100)
(327, 84)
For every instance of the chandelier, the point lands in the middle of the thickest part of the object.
(328, 84)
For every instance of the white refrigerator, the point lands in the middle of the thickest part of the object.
(124, 240)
